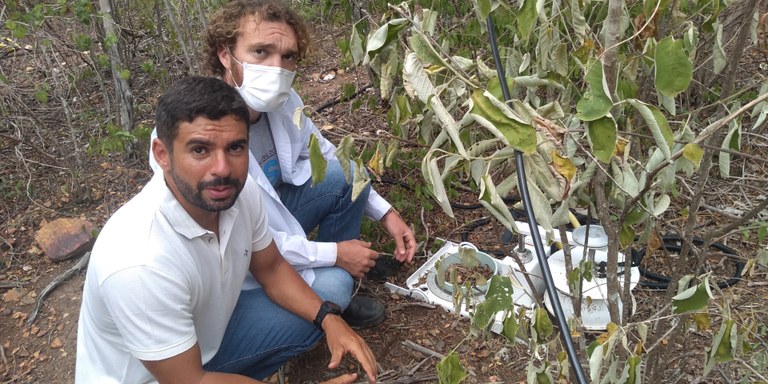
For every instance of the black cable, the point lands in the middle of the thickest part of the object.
(670, 244)
(522, 185)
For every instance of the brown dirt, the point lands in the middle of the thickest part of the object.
(45, 351)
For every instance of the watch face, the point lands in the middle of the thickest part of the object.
(333, 307)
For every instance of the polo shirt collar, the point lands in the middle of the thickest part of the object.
(179, 218)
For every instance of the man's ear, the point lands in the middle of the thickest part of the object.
(162, 154)
(225, 57)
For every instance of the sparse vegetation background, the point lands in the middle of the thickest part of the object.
(645, 116)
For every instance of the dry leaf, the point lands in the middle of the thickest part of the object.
(56, 343)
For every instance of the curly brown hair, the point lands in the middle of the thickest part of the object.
(225, 24)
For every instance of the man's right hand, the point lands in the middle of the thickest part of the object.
(355, 257)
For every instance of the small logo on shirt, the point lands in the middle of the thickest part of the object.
(245, 253)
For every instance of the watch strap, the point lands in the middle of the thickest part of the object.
(326, 308)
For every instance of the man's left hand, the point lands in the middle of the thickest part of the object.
(405, 241)
(342, 340)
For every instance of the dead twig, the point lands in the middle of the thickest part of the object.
(11, 284)
(422, 349)
(55, 283)
(342, 99)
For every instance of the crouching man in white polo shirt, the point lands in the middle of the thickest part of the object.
(168, 267)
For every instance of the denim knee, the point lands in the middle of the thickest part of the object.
(334, 284)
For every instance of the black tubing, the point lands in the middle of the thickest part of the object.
(522, 185)
(658, 281)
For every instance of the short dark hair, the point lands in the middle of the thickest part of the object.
(225, 24)
(193, 97)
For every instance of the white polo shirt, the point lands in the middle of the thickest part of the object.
(158, 282)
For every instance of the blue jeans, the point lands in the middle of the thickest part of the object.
(261, 335)
(327, 205)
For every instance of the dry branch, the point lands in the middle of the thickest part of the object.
(55, 283)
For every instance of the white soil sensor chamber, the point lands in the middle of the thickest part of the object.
(424, 284)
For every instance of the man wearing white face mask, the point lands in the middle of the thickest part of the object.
(254, 46)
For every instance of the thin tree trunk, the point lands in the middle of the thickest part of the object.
(611, 35)
(122, 88)
(180, 35)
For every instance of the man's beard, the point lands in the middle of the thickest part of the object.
(195, 195)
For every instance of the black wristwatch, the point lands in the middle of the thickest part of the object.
(326, 308)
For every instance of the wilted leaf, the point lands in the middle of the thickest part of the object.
(356, 48)
(719, 59)
(597, 102)
(344, 152)
(383, 36)
(526, 19)
(732, 142)
(317, 162)
(693, 153)
(376, 163)
(702, 321)
(542, 325)
(361, 179)
(658, 125)
(519, 135)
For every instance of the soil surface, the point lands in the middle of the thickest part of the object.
(407, 345)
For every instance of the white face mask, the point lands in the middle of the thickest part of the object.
(265, 88)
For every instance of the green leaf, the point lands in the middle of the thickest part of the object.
(83, 42)
(526, 20)
(626, 236)
(483, 8)
(450, 370)
(494, 86)
(674, 69)
(597, 102)
(692, 299)
(602, 136)
(542, 325)
(634, 375)
(724, 342)
(658, 125)
(345, 152)
(110, 40)
(510, 328)
(41, 94)
(498, 298)
(386, 34)
(317, 162)
(497, 118)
